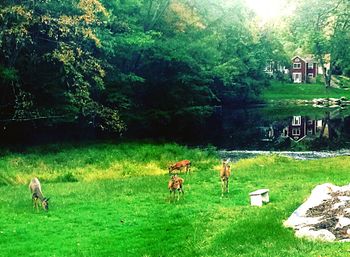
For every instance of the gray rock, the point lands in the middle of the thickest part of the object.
(322, 234)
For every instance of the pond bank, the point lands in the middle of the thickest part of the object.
(236, 155)
(316, 102)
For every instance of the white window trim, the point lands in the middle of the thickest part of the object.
(310, 75)
(300, 77)
(296, 121)
(296, 131)
(297, 65)
(310, 65)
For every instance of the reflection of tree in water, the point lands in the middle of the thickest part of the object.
(325, 124)
(241, 128)
(339, 133)
(328, 132)
(262, 128)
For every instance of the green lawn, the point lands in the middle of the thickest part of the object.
(289, 91)
(120, 205)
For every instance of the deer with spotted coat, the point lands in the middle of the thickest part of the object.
(176, 184)
(180, 165)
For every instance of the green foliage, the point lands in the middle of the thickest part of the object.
(8, 74)
(91, 62)
(325, 33)
(54, 49)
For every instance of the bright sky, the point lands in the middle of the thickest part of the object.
(270, 9)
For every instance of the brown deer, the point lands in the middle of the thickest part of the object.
(225, 173)
(179, 165)
(37, 195)
(176, 183)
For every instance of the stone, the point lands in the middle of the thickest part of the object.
(323, 214)
(322, 234)
(342, 222)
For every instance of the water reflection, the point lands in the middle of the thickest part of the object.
(282, 128)
(299, 128)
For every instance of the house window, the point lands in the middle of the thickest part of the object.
(296, 131)
(310, 75)
(310, 131)
(310, 65)
(296, 121)
(297, 65)
(297, 77)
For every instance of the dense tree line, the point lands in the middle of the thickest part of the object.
(140, 65)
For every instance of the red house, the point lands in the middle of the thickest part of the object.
(303, 69)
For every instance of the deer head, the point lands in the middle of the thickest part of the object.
(45, 204)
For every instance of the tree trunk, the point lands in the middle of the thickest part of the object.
(326, 74)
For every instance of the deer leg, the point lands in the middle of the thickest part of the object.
(227, 186)
(222, 187)
(35, 202)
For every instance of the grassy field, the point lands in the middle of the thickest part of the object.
(112, 200)
(289, 91)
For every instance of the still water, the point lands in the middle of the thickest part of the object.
(296, 128)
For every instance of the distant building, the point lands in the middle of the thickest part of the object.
(267, 134)
(303, 69)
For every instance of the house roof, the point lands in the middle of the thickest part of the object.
(308, 58)
(297, 56)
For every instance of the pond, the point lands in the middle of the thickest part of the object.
(277, 127)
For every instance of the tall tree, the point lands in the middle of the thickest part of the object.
(319, 25)
(52, 50)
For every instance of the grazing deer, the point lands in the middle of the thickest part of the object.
(37, 195)
(225, 173)
(179, 165)
(176, 183)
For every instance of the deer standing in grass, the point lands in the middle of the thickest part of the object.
(37, 195)
(179, 165)
(176, 184)
(225, 174)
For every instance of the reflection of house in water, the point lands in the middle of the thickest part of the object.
(302, 127)
(267, 134)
